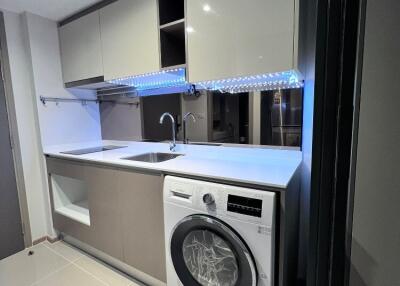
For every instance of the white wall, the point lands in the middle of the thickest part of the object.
(27, 125)
(66, 122)
(33, 48)
(375, 255)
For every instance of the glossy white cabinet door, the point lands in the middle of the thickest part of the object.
(81, 48)
(129, 38)
(228, 38)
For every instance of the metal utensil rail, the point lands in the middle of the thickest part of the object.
(83, 101)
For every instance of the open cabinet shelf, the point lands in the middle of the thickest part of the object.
(171, 10)
(173, 44)
(78, 211)
(70, 197)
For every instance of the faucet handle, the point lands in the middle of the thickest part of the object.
(172, 146)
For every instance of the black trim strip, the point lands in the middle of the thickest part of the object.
(336, 65)
(83, 82)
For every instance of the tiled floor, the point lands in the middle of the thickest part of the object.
(58, 264)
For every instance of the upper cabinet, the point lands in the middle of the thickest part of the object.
(129, 38)
(240, 38)
(80, 43)
(216, 40)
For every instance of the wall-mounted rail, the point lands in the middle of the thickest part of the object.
(84, 101)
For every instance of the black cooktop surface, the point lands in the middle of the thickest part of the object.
(92, 150)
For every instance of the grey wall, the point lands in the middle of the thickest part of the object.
(375, 253)
(120, 121)
(197, 131)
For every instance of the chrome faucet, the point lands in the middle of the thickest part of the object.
(189, 114)
(172, 144)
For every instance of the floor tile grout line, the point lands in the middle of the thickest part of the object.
(59, 254)
(50, 274)
(78, 266)
(70, 261)
(88, 272)
(65, 266)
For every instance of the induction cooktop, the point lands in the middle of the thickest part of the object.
(92, 150)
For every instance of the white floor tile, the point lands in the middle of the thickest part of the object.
(103, 272)
(23, 270)
(65, 250)
(59, 264)
(70, 276)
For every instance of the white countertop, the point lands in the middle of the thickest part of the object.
(258, 166)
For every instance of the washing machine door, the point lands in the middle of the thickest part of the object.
(206, 251)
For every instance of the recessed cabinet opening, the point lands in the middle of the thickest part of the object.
(173, 51)
(70, 197)
(171, 10)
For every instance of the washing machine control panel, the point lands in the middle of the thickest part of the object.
(222, 200)
(244, 205)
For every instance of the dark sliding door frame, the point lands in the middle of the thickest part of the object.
(14, 137)
(338, 46)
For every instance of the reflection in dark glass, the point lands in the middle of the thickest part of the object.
(230, 117)
(281, 117)
(271, 118)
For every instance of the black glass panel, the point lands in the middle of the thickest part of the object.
(243, 205)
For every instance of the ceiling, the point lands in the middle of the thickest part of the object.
(52, 9)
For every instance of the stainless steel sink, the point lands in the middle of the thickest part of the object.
(205, 143)
(153, 157)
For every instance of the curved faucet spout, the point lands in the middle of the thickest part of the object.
(173, 143)
(191, 115)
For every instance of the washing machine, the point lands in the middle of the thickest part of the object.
(218, 235)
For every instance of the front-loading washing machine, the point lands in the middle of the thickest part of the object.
(218, 235)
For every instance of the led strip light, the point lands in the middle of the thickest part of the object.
(177, 78)
(269, 81)
(162, 79)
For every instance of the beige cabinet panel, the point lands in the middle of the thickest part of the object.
(104, 211)
(126, 213)
(80, 43)
(141, 203)
(239, 38)
(129, 38)
(102, 199)
(71, 170)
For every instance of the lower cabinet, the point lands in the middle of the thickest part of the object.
(143, 222)
(115, 211)
(105, 215)
(69, 196)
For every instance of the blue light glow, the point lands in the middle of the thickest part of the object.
(162, 79)
(270, 81)
(160, 82)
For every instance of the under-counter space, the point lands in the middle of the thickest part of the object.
(117, 212)
(266, 167)
(124, 209)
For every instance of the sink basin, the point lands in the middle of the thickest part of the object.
(153, 157)
(205, 144)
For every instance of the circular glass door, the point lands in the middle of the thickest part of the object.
(207, 252)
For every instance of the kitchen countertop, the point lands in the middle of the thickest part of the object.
(257, 166)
